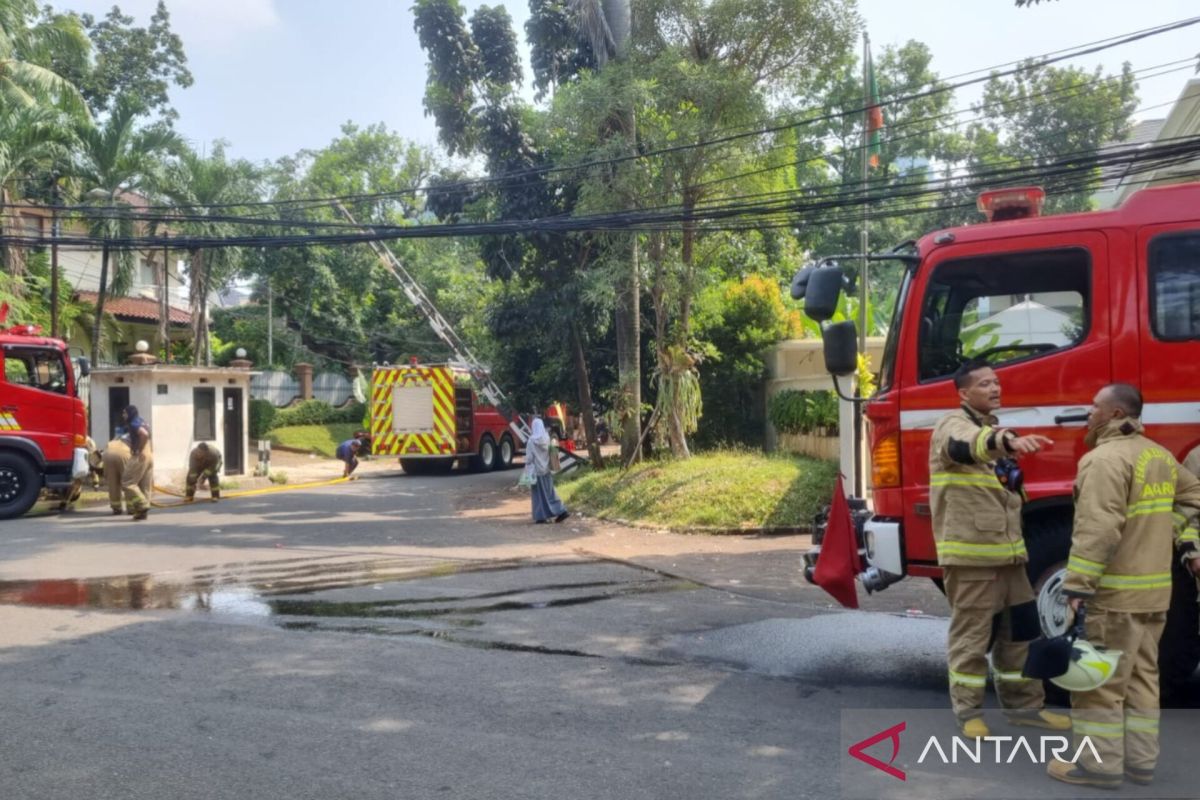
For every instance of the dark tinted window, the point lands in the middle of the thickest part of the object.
(1175, 286)
(1004, 308)
(204, 402)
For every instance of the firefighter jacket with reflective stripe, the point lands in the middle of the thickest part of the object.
(1129, 496)
(976, 520)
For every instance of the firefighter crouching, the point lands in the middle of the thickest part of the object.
(980, 546)
(1126, 494)
(205, 461)
(114, 464)
(138, 479)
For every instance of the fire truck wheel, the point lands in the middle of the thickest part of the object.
(1179, 648)
(507, 452)
(1048, 540)
(486, 459)
(19, 485)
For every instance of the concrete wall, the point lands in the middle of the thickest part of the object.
(171, 414)
(800, 364)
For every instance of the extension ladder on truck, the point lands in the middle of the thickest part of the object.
(487, 387)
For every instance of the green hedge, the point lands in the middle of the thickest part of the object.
(793, 411)
(262, 418)
(318, 412)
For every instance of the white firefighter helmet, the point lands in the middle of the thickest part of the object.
(1090, 667)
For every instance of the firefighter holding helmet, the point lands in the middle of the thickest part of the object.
(1127, 496)
(975, 499)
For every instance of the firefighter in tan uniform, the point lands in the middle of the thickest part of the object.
(1127, 494)
(138, 479)
(113, 462)
(204, 461)
(977, 528)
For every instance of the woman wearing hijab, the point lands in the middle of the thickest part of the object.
(546, 505)
(137, 478)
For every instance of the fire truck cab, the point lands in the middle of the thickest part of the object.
(43, 422)
(1060, 306)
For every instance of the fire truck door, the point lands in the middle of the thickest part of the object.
(34, 403)
(1036, 309)
(1169, 329)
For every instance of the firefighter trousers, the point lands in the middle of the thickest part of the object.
(1121, 717)
(138, 481)
(114, 474)
(990, 608)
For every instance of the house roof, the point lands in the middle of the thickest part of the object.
(139, 309)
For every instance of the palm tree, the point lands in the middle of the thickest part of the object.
(34, 130)
(203, 188)
(24, 47)
(31, 137)
(114, 159)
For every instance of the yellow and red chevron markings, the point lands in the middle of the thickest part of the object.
(386, 441)
(8, 422)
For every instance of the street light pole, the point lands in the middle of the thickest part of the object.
(54, 204)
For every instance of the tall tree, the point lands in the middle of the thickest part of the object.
(116, 158)
(474, 75)
(606, 26)
(128, 60)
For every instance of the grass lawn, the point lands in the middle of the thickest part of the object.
(320, 439)
(721, 489)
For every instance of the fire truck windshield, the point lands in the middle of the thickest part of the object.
(36, 367)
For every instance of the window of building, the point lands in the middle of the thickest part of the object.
(1004, 308)
(1174, 273)
(204, 402)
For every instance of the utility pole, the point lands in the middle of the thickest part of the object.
(860, 482)
(54, 204)
(270, 325)
(164, 302)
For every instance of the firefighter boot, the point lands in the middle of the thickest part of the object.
(1041, 718)
(975, 728)
(1078, 776)
(191, 498)
(216, 495)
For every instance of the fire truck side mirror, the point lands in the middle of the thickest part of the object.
(841, 348)
(800, 282)
(85, 367)
(821, 293)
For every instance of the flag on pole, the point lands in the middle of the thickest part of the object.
(838, 564)
(874, 114)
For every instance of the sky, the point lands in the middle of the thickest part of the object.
(273, 77)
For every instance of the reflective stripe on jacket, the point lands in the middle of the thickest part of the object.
(1126, 520)
(976, 520)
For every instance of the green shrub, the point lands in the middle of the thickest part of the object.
(262, 418)
(279, 477)
(793, 411)
(318, 412)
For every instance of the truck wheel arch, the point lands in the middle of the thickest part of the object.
(26, 447)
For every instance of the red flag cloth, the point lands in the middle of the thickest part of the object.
(838, 565)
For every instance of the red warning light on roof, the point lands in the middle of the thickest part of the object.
(1001, 204)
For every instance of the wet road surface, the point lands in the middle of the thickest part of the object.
(415, 637)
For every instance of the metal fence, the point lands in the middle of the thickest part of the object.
(333, 388)
(279, 388)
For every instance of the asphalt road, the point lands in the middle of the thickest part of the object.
(403, 637)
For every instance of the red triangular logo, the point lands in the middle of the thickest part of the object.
(893, 733)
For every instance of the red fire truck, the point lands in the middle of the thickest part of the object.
(43, 422)
(1059, 305)
(430, 416)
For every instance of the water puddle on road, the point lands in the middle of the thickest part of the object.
(386, 597)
